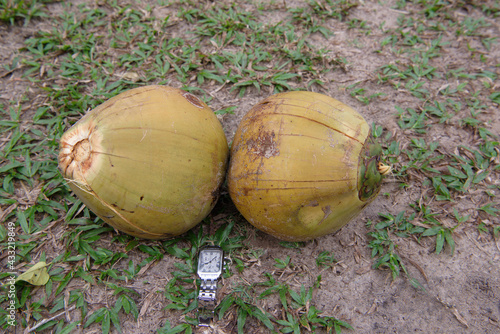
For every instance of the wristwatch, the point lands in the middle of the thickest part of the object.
(210, 265)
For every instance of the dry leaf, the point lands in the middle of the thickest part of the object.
(36, 275)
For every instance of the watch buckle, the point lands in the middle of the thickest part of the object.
(205, 317)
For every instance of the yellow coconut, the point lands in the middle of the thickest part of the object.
(303, 165)
(148, 161)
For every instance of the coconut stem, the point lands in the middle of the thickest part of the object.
(383, 169)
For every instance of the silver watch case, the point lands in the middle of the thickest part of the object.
(211, 275)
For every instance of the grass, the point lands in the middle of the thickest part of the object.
(450, 175)
(15, 11)
(87, 54)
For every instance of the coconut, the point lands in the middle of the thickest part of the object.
(303, 165)
(149, 161)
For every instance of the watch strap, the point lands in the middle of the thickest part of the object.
(208, 289)
(207, 299)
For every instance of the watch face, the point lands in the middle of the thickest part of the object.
(210, 261)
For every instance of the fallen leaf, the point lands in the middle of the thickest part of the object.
(132, 76)
(36, 275)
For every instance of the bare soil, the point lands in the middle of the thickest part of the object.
(462, 290)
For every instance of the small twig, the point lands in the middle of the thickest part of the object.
(218, 89)
(399, 11)
(454, 311)
(44, 321)
(416, 266)
(477, 244)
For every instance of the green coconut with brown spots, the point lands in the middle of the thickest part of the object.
(303, 165)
